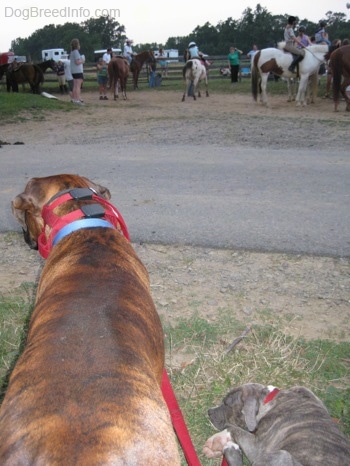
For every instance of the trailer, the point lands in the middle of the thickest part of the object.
(6, 57)
(54, 54)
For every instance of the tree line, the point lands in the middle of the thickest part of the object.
(257, 26)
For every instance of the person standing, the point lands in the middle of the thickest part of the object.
(252, 52)
(292, 42)
(61, 77)
(107, 56)
(76, 65)
(233, 62)
(102, 73)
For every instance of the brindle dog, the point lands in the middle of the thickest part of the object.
(86, 389)
(277, 428)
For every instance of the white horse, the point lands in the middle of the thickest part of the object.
(276, 61)
(194, 72)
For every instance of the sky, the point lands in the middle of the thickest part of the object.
(148, 22)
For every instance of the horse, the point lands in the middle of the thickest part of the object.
(47, 64)
(194, 72)
(340, 66)
(137, 63)
(25, 73)
(272, 60)
(3, 69)
(118, 71)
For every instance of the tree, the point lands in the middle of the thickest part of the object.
(108, 30)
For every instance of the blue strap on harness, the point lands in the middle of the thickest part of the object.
(79, 224)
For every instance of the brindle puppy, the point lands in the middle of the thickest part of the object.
(86, 389)
(289, 428)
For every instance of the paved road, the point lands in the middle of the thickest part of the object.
(256, 199)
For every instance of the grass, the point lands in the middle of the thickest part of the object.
(202, 371)
(21, 106)
(266, 355)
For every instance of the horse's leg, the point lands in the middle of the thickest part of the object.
(291, 89)
(206, 86)
(187, 84)
(313, 85)
(263, 84)
(302, 90)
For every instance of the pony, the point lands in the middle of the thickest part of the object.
(137, 63)
(340, 66)
(25, 73)
(118, 71)
(272, 60)
(194, 72)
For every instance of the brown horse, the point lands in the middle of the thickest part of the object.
(137, 63)
(25, 73)
(3, 69)
(118, 71)
(47, 64)
(340, 66)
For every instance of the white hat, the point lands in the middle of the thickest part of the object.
(191, 43)
(130, 41)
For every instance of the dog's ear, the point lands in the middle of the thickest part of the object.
(253, 396)
(19, 205)
(100, 190)
(250, 411)
(28, 214)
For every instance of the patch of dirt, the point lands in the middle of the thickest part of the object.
(159, 117)
(312, 293)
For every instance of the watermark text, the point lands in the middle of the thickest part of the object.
(66, 12)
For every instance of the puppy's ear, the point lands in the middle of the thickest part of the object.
(253, 396)
(250, 411)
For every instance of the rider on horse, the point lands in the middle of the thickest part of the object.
(291, 40)
(193, 52)
(128, 53)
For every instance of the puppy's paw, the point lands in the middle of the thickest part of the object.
(216, 444)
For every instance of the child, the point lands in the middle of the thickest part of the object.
(102, 78)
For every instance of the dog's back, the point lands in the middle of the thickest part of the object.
(300, 424)
(86, 389)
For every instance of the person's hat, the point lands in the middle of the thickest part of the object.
(302, 28)
(191, 44)
(129, 41)
(291, 19)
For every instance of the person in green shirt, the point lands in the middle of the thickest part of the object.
(233, 62)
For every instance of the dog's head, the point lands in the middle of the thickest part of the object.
(27, 206)
(242, 406)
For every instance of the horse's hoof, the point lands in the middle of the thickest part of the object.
(183, 99)
(207, 94)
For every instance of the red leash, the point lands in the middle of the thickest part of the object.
(179, 423)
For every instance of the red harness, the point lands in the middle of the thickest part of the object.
(104, 214)
(101, 214)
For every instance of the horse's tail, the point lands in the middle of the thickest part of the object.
(255, 75)
(113, 74)
(336, 65)
(188, 66)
